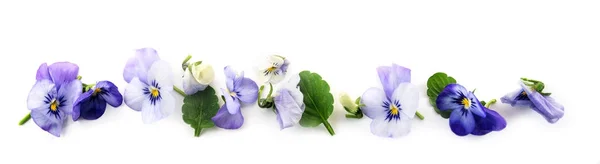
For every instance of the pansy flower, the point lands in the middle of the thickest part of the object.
(392, 107)
(468, 115)
(92, 103)
(289, 103)
(149, 93)
(274, 70)
(197, 76)
(532, 96)
(239, 89)
(51, 98)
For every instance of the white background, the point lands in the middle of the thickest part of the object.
(486, 45)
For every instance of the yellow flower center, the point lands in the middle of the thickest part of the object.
(154, 92)
(393, 110)
(524, 93)
(271, 69)
(96, 91)
(54, 105)
(466, 102)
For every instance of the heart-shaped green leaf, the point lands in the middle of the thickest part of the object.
(435, 85)
(199, 108)
(318, 101)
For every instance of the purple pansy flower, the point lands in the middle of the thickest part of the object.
(239, 89)
(551, 110)
(150, 86)
(51, 98)
(138, 65)
(289, 103)
(92, 104)
(393, 107)
(468, 115)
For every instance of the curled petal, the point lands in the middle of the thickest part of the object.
(373, 100)
(226, 120)
(110, 93)
(247, 91)
(408, 96)
(42, 73)
(462, 122)
(203, 73)
(392, 76)
(546, 106)
(48, 121)
(391, 128)
(63, 72)
(134, 94)
(139, 64)
(70, 92)
(290, 106)
(161, 109)
(516, 98)
(348, 103)
(82, 100)
(39, 91)
(190, 85)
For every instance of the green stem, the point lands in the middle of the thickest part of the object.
(329, 128)
(25, 119)
(78, 77)
(179, 91)
(197, 132)
(420, 115)
(487, 105)
(270, 90)
(187, 59)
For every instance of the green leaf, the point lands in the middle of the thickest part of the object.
(199, 108)
(435, 85)
(318, 101)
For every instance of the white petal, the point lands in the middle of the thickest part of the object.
(71, 92)
(134, 94)
(294, 89)
(274, 59)
(203, 73)
(394, 128)
(408, 96)
(163, 108)
(161, 73)
(38, 93)
(373, 100)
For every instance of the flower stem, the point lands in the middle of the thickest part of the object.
(197, 132)
(187, 58)
(25, 119)
(329, 128)
(487, 105)
(179, 91)
(420, 115)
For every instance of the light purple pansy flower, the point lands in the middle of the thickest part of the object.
(239, 89)
(138, 65)
(289, 103)
(92, 104)
(150, 86)
(546, 106)
(393, 107)
(51, 98)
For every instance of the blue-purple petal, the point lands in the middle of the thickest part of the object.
(492, 122)
(516, 98)
(289, 110)
(42, 73)
(63, 72)
(110, 93)
(446, 100)
(233, 104)
(284, 66)
(247, 91)
(225, 120)
(462, 122)
(230, 77)
(93, 108)
(84, 97)
(392, 76)
(48, 121)
(546, 106)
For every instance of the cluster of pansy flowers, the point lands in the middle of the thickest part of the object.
(304, 99)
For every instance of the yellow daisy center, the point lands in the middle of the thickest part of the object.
(466, 102)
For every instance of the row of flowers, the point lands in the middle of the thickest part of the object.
(303, 100)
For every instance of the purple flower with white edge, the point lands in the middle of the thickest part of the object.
(51, 98)
(289, 103)
(152, 96)
(239, 89)
(274, 69)
(468, 115)
(138, 65)
(393, 107)
(531, 95)
(92, 103)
